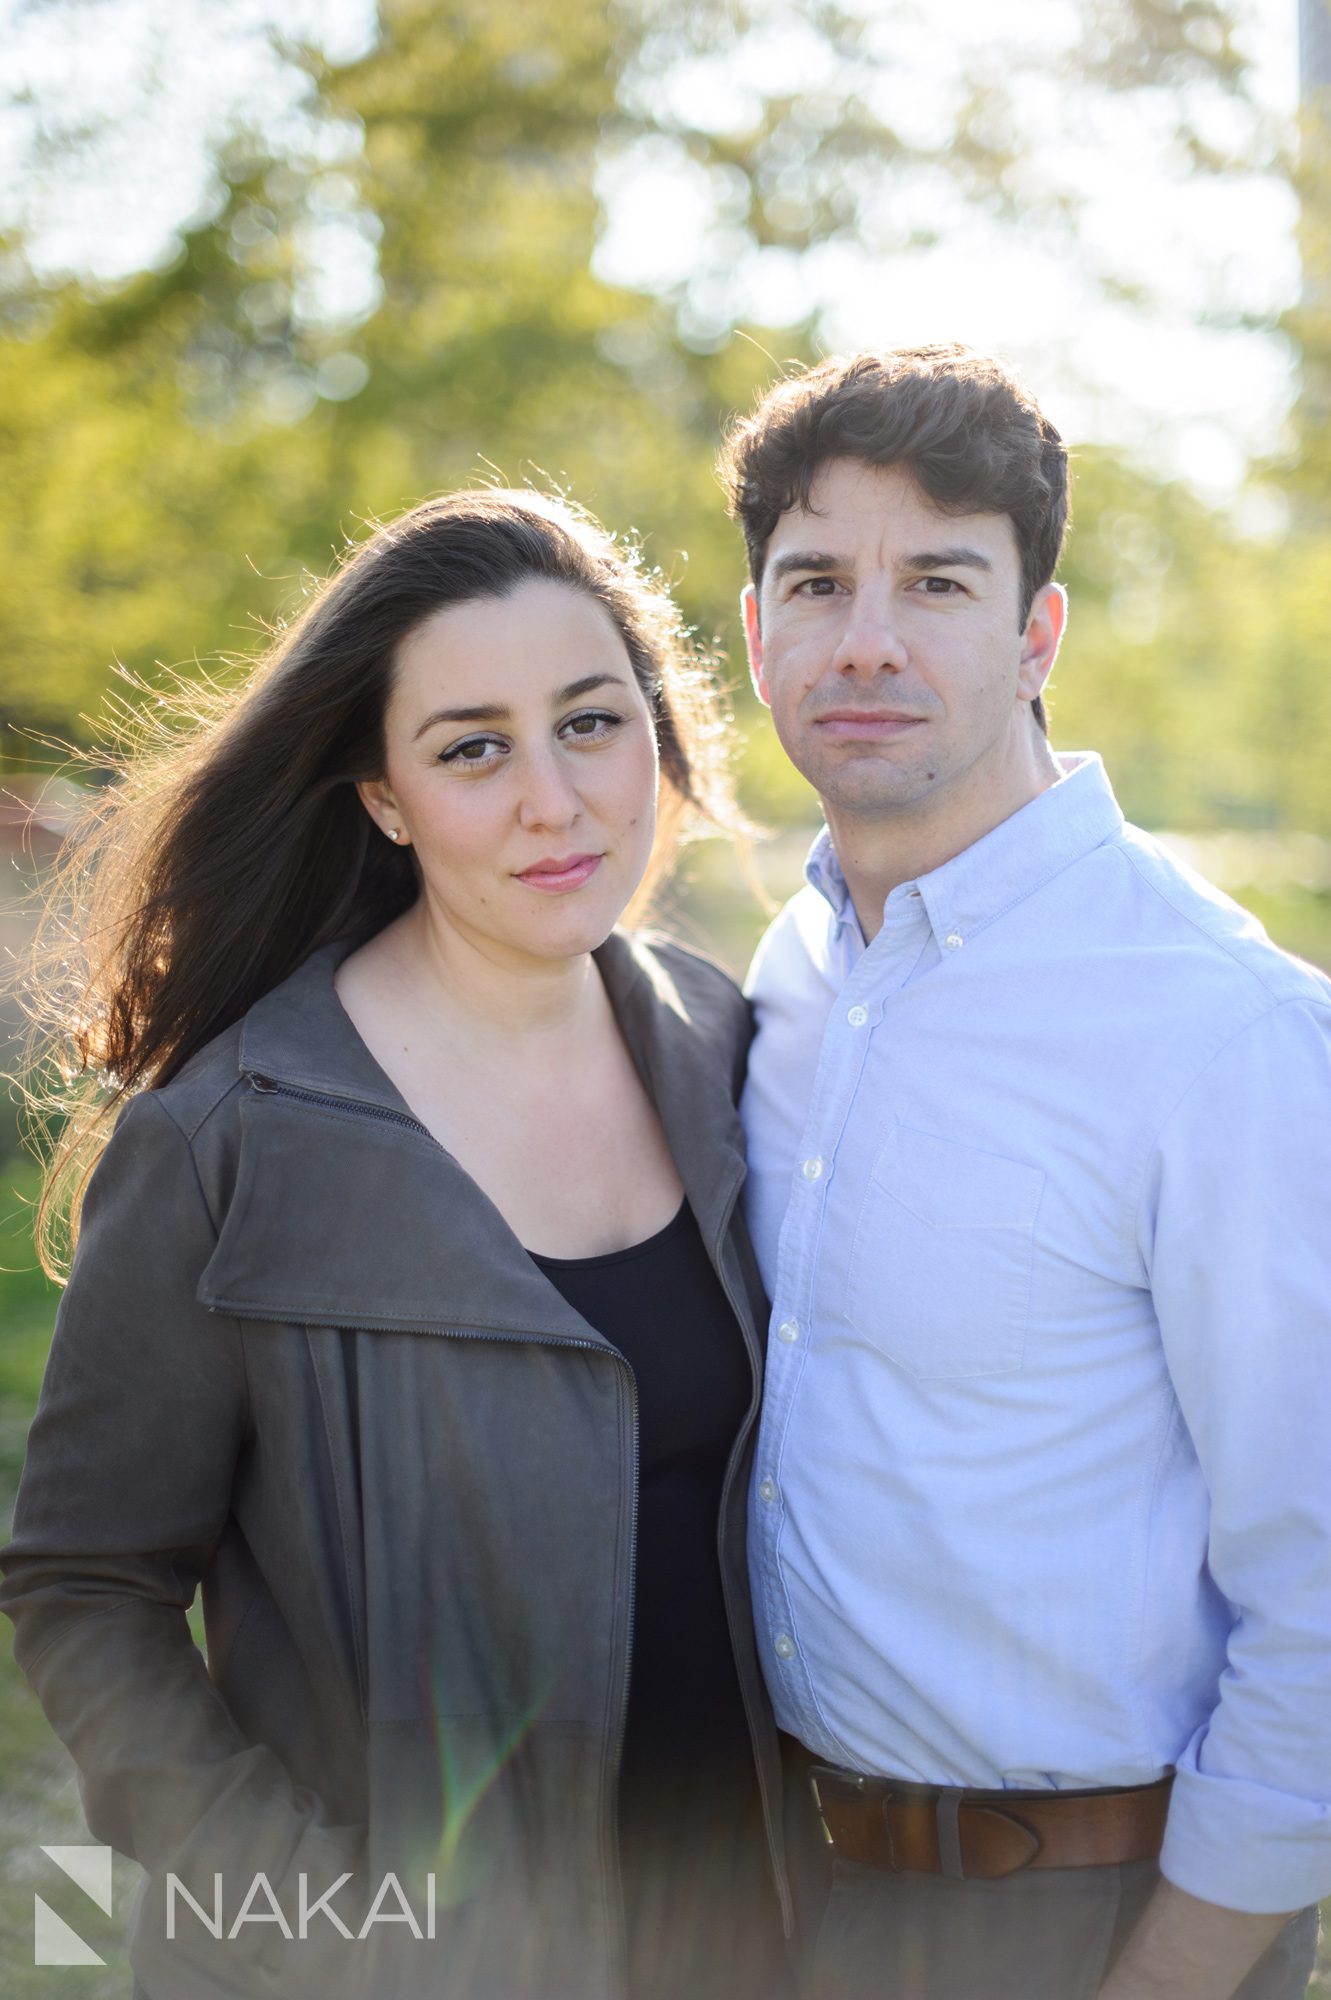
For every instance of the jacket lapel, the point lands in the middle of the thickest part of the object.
(685, 1075)
(346, 1212)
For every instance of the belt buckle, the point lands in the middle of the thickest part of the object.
(829, 1772)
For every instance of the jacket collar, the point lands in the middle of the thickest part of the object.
(415, 1242)
(301, 1035)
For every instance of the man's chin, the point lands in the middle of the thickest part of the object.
(870, 786)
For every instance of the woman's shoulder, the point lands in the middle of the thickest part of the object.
(198, 1112)
(695, 989)
(298, 1018)
(692, 973)
(201, 1086)
(189, 1124)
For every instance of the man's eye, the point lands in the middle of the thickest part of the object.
(940, 586)
(817, 586)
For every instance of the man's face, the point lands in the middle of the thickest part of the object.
(886, 642)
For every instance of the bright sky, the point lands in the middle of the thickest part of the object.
(1195, 398)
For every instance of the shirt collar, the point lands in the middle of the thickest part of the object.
(1002, 868)
(822, 871)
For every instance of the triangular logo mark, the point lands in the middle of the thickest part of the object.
(54, 1943)
(90, 1867)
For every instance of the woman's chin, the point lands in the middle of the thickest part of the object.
(569, 930)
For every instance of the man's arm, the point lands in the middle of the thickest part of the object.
(1233, 1229)
(1185, 1949)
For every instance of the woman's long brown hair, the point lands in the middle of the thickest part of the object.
(234, 844)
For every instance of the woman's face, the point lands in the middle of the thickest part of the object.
(521, 765)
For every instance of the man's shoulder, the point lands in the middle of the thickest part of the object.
(1219, 948)
(795, 943)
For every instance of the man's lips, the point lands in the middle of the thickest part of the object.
(859, 725)
(567, 871)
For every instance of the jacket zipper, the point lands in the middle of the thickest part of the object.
(619, 1924)
(268, 1086)
(779, 1874)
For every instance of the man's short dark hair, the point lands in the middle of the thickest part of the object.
(972, 437)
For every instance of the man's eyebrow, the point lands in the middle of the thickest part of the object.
(811, 561)
(497, 712)
(818, 562)
(954, 558)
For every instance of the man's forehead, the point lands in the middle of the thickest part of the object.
(850, 499)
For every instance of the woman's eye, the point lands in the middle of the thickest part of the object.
(590, 724)
(473, 751)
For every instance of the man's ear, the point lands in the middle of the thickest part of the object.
(1040, 640)
(753, 640)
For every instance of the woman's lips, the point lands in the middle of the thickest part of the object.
(559, 875)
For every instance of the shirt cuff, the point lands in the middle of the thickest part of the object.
(1243, 1845)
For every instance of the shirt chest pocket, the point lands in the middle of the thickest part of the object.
(940, 1267)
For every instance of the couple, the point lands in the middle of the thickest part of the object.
(414, 1310)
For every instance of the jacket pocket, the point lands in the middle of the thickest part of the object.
(940, 1268)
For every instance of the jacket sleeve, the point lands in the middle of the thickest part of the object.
(125, 1491)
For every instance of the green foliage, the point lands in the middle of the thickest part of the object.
(1194, 657)
(184, 448)
(175, 468)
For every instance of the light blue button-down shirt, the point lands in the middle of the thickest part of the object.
(1039, 1183)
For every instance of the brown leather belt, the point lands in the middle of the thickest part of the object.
(890, 1824)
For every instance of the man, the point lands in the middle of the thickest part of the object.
(1040, 1131)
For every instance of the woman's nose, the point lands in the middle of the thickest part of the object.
(549, 797)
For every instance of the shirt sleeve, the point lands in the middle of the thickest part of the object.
(1235, 1230)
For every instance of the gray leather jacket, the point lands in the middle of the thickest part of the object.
(303, 1359)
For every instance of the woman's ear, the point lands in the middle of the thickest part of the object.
(376, 796)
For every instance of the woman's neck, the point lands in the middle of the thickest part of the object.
(480, 995)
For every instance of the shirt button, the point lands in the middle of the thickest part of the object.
(783, 1646)
(789, 1331)
(813, 1168)
(858, 1016)
(954, 940)
(767, 1491)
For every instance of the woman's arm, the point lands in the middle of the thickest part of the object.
(126, 1489)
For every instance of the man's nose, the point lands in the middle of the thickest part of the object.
(871, 640)
(549, 796)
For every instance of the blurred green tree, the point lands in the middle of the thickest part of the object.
(400, 289)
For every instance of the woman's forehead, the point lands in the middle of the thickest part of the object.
(526, 647)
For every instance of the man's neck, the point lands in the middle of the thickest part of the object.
(878, 852)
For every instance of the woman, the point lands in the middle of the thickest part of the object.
(419, 1226)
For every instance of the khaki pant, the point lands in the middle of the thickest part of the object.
(1045, 1934)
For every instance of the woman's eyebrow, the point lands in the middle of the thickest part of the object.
(497, 712)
